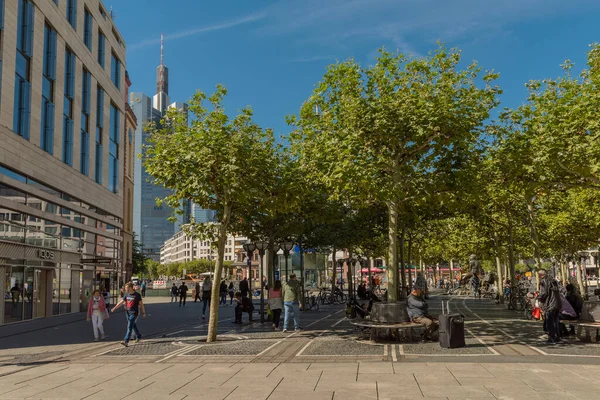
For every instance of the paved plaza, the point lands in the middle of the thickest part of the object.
(505, 358)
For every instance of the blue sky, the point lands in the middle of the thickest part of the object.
(270, 54)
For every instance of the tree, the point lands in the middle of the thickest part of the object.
(382, 128)
(138, 258)
(214, 161)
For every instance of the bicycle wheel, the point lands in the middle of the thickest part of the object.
(518, 303)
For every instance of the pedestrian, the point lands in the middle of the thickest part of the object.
(197, 295)
(292, 293)
(97, 313)
(223, 292)
(244, 288)
(551, 304)
(276, 303)
(143, 288)
(231, 293)
(133, 302)
(475, 285)
(206, 293)
(174, 293)
(243, 304)
(106, 295)
(182, 293)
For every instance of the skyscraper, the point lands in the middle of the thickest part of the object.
(150, 221)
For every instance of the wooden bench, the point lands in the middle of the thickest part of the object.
(386, 330)
(587, 331)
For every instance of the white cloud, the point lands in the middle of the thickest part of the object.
(199, 30)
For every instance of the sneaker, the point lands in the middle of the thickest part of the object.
(137, 340)
(124, 343)
(285, 330)
(103, 337)
(203, 316)
(297, 329)
(96, 340)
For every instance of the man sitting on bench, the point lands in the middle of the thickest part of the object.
(418, 312)
(244, 304)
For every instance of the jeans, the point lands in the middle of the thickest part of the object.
(552, 325)
(97, 319)
(174, 297)
(223, 299)
(291, 307)
(132, 326)
(230, 298)
(276, 316)
(182, 299)
(205, 302)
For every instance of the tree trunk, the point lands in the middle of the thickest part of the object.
(402, 285)
(409, 262)
(270, 258)
(350, 274)
(214, 295)
(580, 279)
(535, 239)
(392, 271)
(499, 284)
(333, 275)
(564, 270)
(511, 248)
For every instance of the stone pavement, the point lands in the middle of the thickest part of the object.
(505, 358)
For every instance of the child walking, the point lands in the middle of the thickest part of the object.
(97, 312)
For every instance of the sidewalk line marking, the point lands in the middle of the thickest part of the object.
(503, 331)
(319, 320)
(268, 348)
(482, 342)
(174, 333)
(394, 358)
(385, 350)
(304, 348)
(401, 349)
(176, 352)
(108, 351)
(341, 320)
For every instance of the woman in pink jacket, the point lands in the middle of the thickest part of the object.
(97, 313)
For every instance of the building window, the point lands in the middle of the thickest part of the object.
(85, 117)
(101, 44)
(99, 126)
(113, 151)
(1, 40)
(72, 13)
(47, 128)
(22, 103)
(115, 70)
(102, 12)
(68, 107)
(87, 28)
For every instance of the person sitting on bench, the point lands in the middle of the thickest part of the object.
(576, 302)
(418, 312)
(243, 304)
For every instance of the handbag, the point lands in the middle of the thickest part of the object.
(565, 307)
(269, 312)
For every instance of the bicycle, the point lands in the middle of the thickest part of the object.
(310, 303)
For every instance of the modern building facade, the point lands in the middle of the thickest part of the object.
(128, 187)
(150, 221)
(62, 103)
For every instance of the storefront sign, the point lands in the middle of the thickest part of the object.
(45, 254)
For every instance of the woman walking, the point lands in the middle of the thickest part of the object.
(206, 293)
(276, 303)
(97, 312)
(231, 292)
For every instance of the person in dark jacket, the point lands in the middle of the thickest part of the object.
(243, 304)
(576, 301)
(197, 296)
(418, 312)
(223, 293)
(551, 304)
(244, 288)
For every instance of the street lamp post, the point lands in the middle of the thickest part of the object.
(249, 248)
(286, 246)
(261, 247)
(143, 256)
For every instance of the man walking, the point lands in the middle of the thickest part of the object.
(206, 293)
(292, 293)
(418, 312)
(223, 293)
(182, 293)
(174, 293)
(197, 296)
(143, 289)
(133, 302)
(551, 304)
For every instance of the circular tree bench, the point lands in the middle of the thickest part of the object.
(387, 331)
